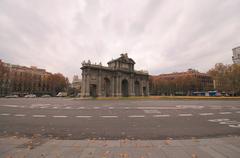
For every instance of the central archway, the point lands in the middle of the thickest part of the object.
(124, 88)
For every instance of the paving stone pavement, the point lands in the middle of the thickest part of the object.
(14, 147)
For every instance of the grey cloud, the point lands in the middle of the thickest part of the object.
(162, 36)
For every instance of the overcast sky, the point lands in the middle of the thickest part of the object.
(160, 35)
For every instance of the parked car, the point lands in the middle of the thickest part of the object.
(62, 94)
(30, 96)
(11, 96)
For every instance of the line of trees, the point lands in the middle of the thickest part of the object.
(226, 78)
(179, 85)
(22, 80)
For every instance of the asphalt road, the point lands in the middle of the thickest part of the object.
(66, 118)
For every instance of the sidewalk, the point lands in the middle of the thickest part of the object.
(13, 147)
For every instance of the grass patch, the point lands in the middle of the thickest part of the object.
(165, 98)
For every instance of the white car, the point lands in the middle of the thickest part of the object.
(11, 96)
(30, 96)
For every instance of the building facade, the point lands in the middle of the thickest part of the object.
(236, 55)
(22, 80)
(117, 79)
(182, 83)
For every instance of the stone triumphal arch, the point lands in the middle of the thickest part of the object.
(117, 79)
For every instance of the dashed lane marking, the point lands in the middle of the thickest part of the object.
(136, 116)
(81, 108)
(19, 115)
(12, 106)
(235, 126)
(4, 114)
(55, 107)
(109, 116)
(38, 115)
(225, 113)
(126, 108)
(185, 115)
(161, 115)
(206, 114)
(63, 116)
(68, 107)
(229, 122)
(110, 107)
(83, 116)
(152, 111)
(157, 108)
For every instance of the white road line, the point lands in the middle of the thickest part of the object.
(4, 114)
(185, 114)
(238, 112)
(161, 115)
(235, 126)
(19, 115)
(68, 107)
(136, 116)
(110, 107)
(83, 116)
(225, 113)
(60, 116)
(206, 114)
(81, 108)
(12, 106)
(218, 120)
(109, 116)
(55, 107)
(38, 115)
(126, 107)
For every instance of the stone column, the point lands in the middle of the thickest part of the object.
(100, 85)
(132, 86)
(141, 88)
(117, 85)
(83, 84)
(120, 85)
(87, 85)
(112, 83)
(147, 88)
